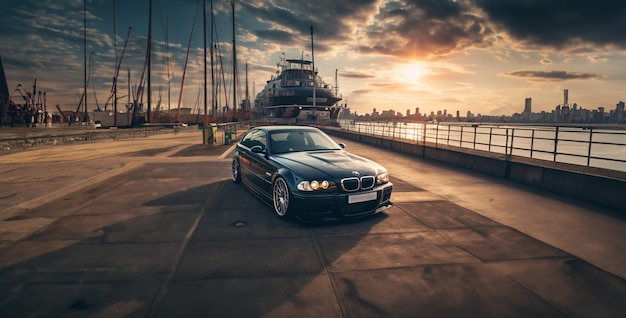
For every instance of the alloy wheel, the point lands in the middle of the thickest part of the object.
(281, 197)
(236, 173)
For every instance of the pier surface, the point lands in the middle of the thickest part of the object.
(153, 227)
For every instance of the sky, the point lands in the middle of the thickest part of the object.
(483, 56)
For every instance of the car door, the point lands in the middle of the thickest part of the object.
(257, 161)
(246, 156)
(266, 171)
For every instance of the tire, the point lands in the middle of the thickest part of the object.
(281, 198)
(236, 171)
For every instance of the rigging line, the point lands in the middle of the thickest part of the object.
(221, 70)
(182, 82)
(93, 85)
(117, 71)
(221, 67)
(226, 96)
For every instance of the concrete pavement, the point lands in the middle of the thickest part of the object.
(153, 227)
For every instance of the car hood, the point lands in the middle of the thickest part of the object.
(328, 163)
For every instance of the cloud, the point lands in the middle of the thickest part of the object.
(554, 76)
(356, 74)
(275, 36)
(545, 60)
(407, 29)
(426, 29)
(289, 22)
(361, 91)
(559, 24)
(431, 29)
(597, 59)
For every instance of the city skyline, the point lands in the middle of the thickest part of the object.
(564, 112)
(482, 56)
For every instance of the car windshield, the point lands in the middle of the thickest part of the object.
(300, 140)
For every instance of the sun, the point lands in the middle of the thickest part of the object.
(412, 72)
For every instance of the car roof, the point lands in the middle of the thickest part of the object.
(286, 128)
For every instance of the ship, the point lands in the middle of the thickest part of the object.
(297, 91)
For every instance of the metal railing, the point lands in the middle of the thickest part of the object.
(599, 146)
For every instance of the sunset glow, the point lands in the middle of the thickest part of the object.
(483, 56)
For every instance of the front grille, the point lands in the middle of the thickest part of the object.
(350, 184)
(354, 184)
(367, 182)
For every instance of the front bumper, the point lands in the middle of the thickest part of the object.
(336, 206)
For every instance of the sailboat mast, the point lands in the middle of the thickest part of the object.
(85, 115)
(232, 2)
(169, 74)
(116, 64)
(247, 104)
(206, 115)
(149, 62)
(336, 84)
(314, 73)
(213, 90)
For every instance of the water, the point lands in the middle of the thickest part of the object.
(585, 146)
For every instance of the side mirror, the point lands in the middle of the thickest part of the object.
(342, 145)
(257, 149)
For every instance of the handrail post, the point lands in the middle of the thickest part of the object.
(589, 147)
(506, 143)
(461, 138)
(532, 143)
(437, 136)
(475, 133)
(512, 140)
(556, 142)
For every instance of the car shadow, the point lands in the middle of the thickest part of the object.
(209, 248)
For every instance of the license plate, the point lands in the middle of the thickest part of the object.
(363, 197)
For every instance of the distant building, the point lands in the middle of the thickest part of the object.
(528, 105)
(619, 112)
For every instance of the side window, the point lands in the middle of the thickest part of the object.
(260, 139)
(253, 138)
(247, 139)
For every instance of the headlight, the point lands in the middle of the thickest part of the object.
(382, 178)
(313, 185)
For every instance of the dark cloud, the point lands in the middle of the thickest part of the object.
(426, 28)
(406, 28)
(275, 36)
(560, 24)
(332, 21)
(554, 76)
(434, 28)
(361, 91)
(356, 75)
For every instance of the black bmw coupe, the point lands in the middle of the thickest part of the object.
(302, 173)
